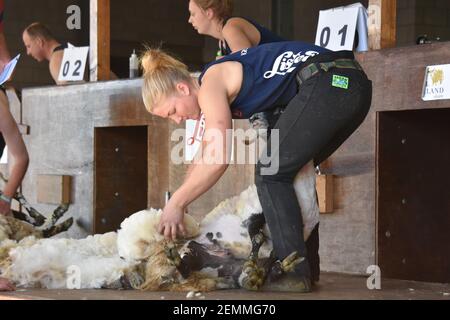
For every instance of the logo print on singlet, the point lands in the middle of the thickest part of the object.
(287, 62)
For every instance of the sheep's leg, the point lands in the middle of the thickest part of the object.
(129, 281)
(54, 230)
(255, 230)
(22, 217)
(58, 213)
(172, 254)
(35, 218)
(38, 219)
(133, 279)
(253, 276)
(279, 268)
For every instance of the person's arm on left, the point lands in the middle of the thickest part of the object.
(213, 100)
(4, 53)
(16, 148)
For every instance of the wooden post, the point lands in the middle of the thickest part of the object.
(382, 24)
(100, 64)
(325, 193)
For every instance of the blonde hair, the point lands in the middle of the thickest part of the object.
(161, 74)
(222, 8)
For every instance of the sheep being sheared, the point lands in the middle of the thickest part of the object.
(233, 231)
(138, 256)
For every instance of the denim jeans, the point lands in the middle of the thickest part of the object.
(313, 125)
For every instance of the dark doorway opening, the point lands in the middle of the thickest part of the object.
(413, 210)
(121, 178)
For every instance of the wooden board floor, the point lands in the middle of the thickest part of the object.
(332, 287)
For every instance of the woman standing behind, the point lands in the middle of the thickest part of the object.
(214, 18)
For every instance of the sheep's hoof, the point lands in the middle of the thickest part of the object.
(167, 281)
(289, 263)
(252, 276)
(134, 279)
(172, 254)
(226, 283)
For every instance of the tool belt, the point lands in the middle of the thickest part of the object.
(315, 68)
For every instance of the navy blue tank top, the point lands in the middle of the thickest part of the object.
(61, 47)
(268, 75)
(266, 35)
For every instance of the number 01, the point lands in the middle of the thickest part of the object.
(326, 33)
(325, 36)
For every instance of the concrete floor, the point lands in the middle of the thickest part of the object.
(332, 287)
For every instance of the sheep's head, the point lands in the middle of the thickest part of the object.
(138, 237)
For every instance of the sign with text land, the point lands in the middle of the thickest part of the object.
(436, 85)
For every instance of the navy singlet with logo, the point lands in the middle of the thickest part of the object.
(269, 75)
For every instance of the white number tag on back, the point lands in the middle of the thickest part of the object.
(73, 63)
(336, 28)
(194, 136)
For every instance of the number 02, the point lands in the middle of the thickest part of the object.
(66, 68)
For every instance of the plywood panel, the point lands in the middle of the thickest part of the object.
(53, 189)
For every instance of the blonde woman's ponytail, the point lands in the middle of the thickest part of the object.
(161, 74)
